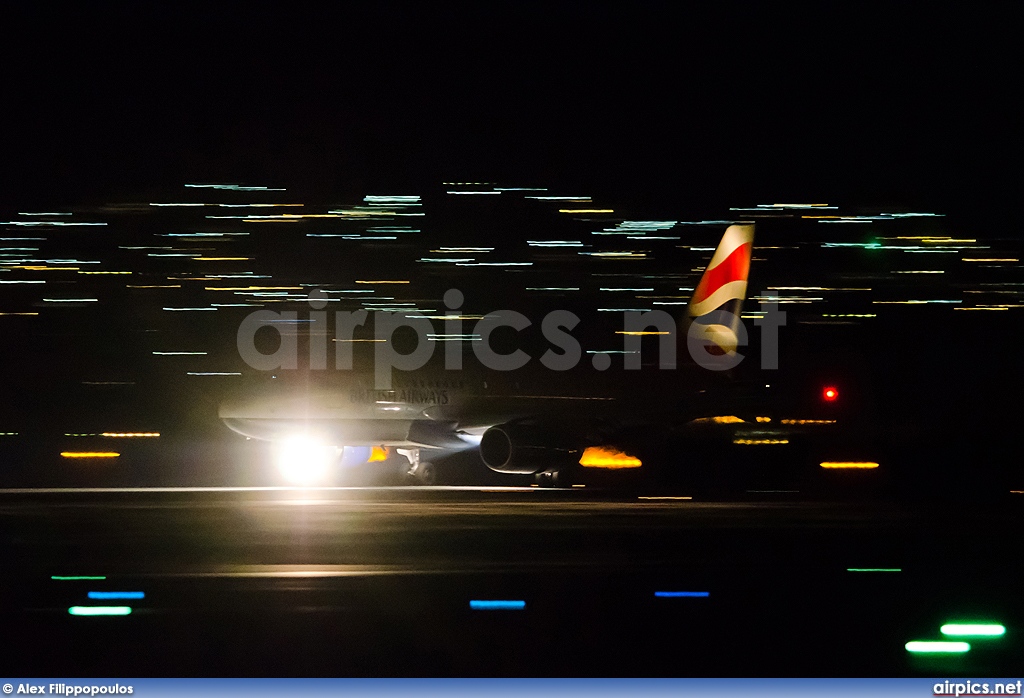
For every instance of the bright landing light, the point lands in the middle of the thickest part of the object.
(305, 460)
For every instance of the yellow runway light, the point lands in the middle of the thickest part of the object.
(252, 288)
(726, 419)
(857, 465)
(263, 220)
(42, 268)
(89, 454)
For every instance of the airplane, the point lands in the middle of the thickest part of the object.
(556, 426)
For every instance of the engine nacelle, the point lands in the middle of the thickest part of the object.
(525, 449)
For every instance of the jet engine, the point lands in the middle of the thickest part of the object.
(525, 448)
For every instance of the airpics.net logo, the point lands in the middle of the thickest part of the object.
(712, 340)
(977, 688)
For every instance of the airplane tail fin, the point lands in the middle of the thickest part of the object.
(717, 299)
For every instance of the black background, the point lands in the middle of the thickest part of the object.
(905, 104)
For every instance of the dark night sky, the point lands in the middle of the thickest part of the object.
(653, 101)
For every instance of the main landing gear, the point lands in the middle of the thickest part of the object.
(419, 472)
(558, 477)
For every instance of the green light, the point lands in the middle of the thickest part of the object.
(937, 647)
(873, 569)
(59, 578)
(100, 610)
(973, 629)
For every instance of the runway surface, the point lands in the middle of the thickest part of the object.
(388, 582)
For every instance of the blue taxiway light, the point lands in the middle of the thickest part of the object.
(682, 594)
(117, 594)
(478, 605)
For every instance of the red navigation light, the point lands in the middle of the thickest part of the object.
(830, 393)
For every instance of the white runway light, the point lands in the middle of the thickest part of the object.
(305, 460)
